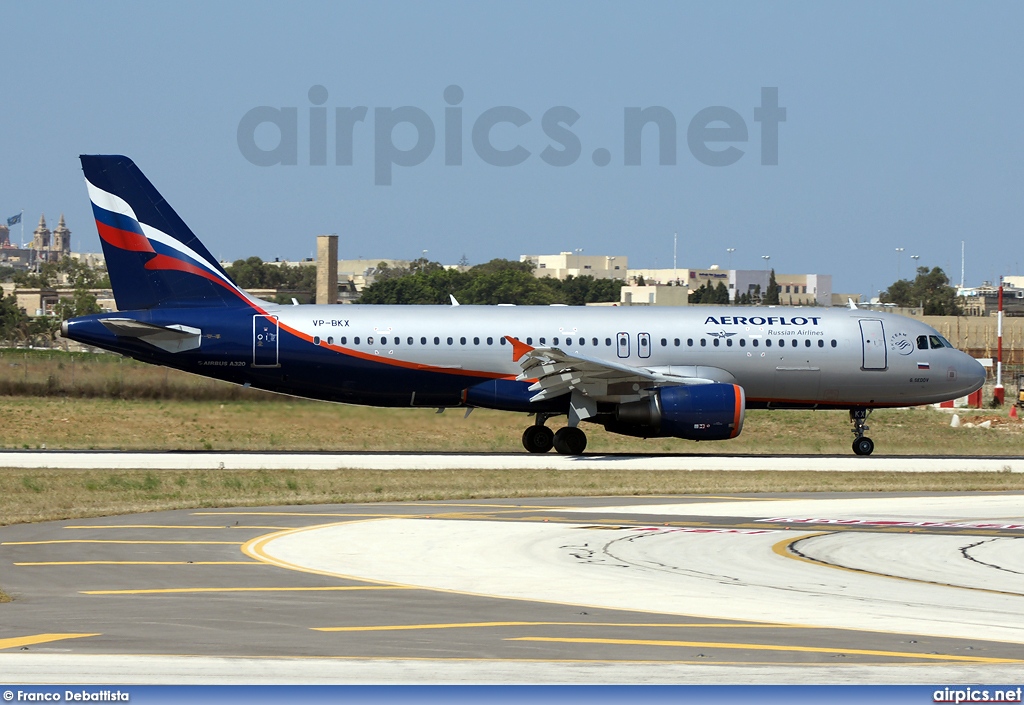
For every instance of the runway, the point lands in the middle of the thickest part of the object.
(809, 588)
(240, 460)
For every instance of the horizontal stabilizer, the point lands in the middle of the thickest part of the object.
(173, 338)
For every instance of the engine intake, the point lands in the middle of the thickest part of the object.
(699, 412)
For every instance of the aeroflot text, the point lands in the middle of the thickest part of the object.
(762, 320)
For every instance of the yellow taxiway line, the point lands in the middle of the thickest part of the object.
(15, 642)
(168, 591)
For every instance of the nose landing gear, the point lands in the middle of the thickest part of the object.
(862, 445)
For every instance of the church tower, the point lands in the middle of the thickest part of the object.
(41, 236)
(61, 240)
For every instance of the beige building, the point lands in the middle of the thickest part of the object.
(653, 295)
(577, 264)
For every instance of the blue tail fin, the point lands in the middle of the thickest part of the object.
(154, 260)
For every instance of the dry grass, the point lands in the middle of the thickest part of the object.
(291, 424)
(42, 495)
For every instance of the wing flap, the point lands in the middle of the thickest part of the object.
(557, 372)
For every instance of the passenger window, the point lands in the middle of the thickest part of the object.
(677, 342)
(703, 342)
(501, 341)
(451, 341)
(922, 342)
(581, 341)
(437, 341)
(807, 343)
(356, 340)
(541, 341)
(476, 341)
(767, 342)
(743, 343)
(595, 342)
(554, 341)
(689, 342)
(608, 342)
(568, 341)
(717, 342)
(728, 342)
(330, 340)
(344, 340)
(369, 340)
(409, 340)
(795, 341)
(529, 341)
(383, 340)
(664, 343)
(754, 342)
(936, 343)
(316, 340)
(462, 341)
(821, 343)
(834, 343)
(490, 341)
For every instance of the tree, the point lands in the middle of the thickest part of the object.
(771, 296)
(930, 288)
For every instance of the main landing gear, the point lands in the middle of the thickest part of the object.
(540, 439)
(862, 445)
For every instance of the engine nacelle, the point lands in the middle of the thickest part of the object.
(698, 412)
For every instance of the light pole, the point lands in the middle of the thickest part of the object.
(899, 251)
(730, 250)
(915, 258)
(766, 258)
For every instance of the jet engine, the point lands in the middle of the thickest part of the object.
(698, 412)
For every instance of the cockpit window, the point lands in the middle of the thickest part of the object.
(945, 342)
(922, 342)
(936, 341)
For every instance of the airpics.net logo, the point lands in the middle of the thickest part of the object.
(407, 136)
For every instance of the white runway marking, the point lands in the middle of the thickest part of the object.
(512, 461)
(746, 576)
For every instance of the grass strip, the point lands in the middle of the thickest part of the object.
(45, 495)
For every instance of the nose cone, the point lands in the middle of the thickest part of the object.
(971, 374)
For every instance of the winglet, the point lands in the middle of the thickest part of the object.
(849, 302)
(455, 302)
(519, 348)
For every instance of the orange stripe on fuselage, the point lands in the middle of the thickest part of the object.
(419, 366)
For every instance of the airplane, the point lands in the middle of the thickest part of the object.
(684, 372)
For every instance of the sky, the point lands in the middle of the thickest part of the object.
(901, 129)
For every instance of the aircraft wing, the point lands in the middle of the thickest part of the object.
(173, 338)
(558, 372)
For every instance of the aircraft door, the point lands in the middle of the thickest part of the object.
(643, 344)
(622, 344)
(264, 341)
(873, 340)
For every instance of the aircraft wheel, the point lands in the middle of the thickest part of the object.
(863, 446)
(538, 439)
(570, 441)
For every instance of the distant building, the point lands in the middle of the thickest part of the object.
(984, 300)
(51, 246)
(577, 264)
(804, 289)
(653, 295)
